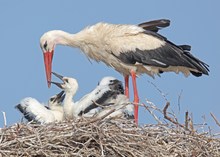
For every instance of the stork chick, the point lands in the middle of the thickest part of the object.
(33, 110)
(104, 94)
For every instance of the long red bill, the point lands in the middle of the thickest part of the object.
(48, 57)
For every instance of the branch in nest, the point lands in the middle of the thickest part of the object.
(187, 120)
(5, 119)
(169, 118)
(110, 109)
(151, 112)
(99, 118)
(215, 119)
(99, 105)
(160, 91)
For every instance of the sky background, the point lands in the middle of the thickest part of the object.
(22, 23)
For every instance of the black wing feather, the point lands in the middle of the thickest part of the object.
(116, 88)
(22, 109)
(155, 25)
(165, 56)
(100, 101)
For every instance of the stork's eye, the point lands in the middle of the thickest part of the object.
(45, 45)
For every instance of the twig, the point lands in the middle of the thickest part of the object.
(187, 120)
(99, 118)
(5, 119)
(191, 124)
(179, 97)
(160, 91)
(99, 105)
(151, 112)
(215, 119)
(169, 118)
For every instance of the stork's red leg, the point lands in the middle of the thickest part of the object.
(127, 85)
(136, 98)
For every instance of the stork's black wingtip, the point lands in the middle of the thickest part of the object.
(166, 21)
(198, 74)
(207, 72)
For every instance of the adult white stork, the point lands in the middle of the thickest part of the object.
(37, 112)
(129, 49)
(108, 92)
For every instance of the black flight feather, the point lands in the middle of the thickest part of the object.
(155, 25)
(27, 116)
(165, 56)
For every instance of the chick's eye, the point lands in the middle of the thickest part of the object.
(66, 80)
(52, 99)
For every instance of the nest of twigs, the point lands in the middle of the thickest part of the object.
(105, 137)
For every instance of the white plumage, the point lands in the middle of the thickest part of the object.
(106, 96)
(33, 110)
(129, 49)
(109, 92)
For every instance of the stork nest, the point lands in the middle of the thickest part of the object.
(105, 137)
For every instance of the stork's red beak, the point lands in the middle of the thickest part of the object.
(48, 57)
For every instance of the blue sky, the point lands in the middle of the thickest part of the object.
(21, 63)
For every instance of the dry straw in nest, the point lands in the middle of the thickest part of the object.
(106, 137)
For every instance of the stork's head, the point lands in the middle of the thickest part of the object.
(47, 44)
(69, 85)
(113, 84)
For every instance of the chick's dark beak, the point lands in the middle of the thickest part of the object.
(57, 84)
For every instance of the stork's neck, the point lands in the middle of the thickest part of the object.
(68, 105)
(56, 107)
(64, 38)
